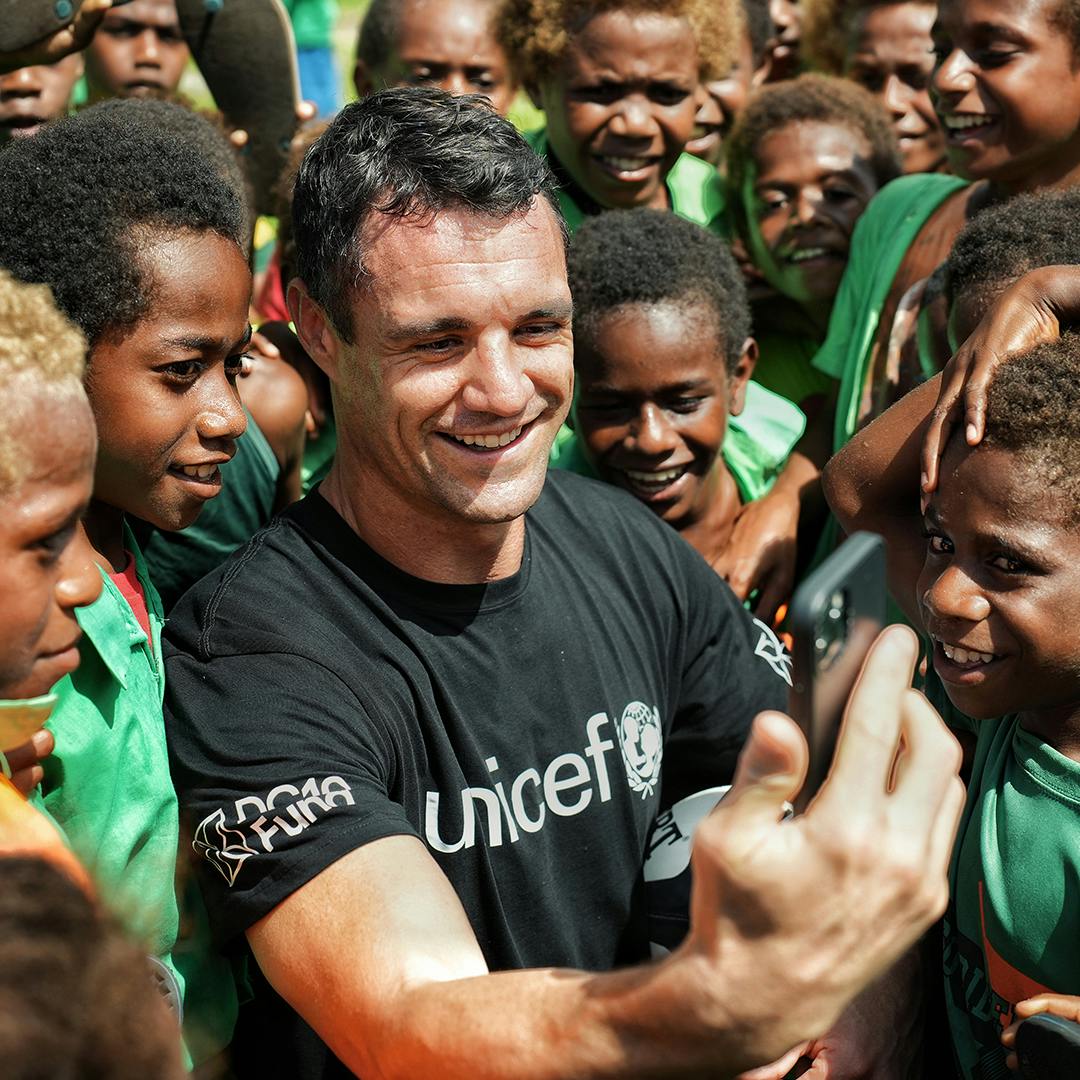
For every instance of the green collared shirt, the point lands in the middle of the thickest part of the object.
(107, 786)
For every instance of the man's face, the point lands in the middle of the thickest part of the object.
(138, 51)
(46, 565)
(891, 54)
(32, 96)
(164, 391)
(448, 44)
(620, 107)
(462, 372)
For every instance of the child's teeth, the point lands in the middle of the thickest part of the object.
(199, 472)
(960, 123)
(627, 164)
(965, 656)
(664, 477)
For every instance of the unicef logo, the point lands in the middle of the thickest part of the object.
(641, 738)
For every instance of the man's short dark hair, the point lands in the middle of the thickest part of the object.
(625, 257)
(73, 197)
(404, 152)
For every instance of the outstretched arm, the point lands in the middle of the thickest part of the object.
(71, 38)
(789, 920)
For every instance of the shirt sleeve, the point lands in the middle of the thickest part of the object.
(735, 668)
(280, 772)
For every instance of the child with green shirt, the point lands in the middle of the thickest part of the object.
(618, 84)
(663, 357)
(990, 572)
(142, 243)
(804, 161)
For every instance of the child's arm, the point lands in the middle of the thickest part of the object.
(873, 484)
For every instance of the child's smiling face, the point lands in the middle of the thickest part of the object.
(621, 105)
(812, 180)
(653, 402)
(1006, 88)
(164, 391)
(46, 566)
(1000, 590)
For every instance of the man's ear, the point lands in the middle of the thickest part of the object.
(314, 329)
(738, 378)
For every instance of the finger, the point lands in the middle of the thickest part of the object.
(22, 757)
(1008, 1036)
(1064, 1005)
(777, 1070)
(774, 593)
(306, 110)
(771, 770)
(942, 419)
(261, 343)
(25, 780)
(870, 734)
(239, 138)
(740, 577)
(88, 20)
(975, 404)
(930, 760)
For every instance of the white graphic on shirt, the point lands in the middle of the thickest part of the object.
(224, 848)
(565, 787)
(641, 737)
(286, 811)
(771, 649)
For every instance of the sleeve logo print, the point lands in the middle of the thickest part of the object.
(286, 811)
(641, 737)
(771, 649)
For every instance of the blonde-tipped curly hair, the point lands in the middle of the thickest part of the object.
(535, 33)
(40, 350)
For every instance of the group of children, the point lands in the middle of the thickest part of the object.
(769, 269)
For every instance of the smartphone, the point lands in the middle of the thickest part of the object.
(835, 616)
(1048, 1048)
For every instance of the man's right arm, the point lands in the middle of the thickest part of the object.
(789, 921)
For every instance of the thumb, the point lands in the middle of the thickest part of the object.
(771, 770)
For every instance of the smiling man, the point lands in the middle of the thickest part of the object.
(423, 724)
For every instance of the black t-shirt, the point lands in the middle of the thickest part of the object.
(319, 699)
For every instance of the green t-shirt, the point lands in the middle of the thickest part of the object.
(243, 506)
(785, 366)
(313, 22)
(756, 446)
(881, 239)
(108, 788)
(694, 188)
(1012, 928)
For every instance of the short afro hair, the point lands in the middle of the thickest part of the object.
(811, 99)
(828, 25)
(1033, 411)
(406, 152)
(41, 351)
(642, 256)
(75, 199)
(536, 33)
(1002, 243)
(379, 30)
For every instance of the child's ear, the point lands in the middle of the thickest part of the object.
(362, 80)
(738, 378)
(313, 328)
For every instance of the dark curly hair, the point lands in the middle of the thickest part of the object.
(74, 198)
(645, 256)
(379, 29)
(811, 98)
(77, 999)
(1033, 411)
(1003, 242)
(828, 25)
(404, 152)
(535, 33)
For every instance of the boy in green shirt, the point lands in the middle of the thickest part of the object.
(618, 87)
(142, 244)
(994, 585)
(663, 357)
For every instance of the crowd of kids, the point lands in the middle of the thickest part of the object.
(819, 258)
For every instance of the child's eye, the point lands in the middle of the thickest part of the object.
(771, 201)
(1007, 563)
(991, 58)
(686, 404)
(664, 94)
(234, 365)
(51, 547)
(938, 544)
(839, 194)
(182, 370)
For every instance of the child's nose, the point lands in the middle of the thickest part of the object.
(953, 595)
